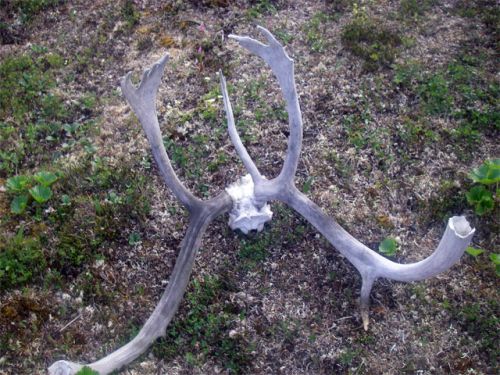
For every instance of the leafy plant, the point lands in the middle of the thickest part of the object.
(45, 178)
(41, 193)
(21, 258)
(481, 196)
(23, 187)
(488, 173)
(495, 258)
(388, 246)
(87, 371)
(19, 204)
(472, 251)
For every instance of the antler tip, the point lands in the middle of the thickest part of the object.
(461, 226)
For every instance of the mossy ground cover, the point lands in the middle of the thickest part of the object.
(401, 121)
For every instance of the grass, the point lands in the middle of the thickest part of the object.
(480, 321)
(27, 10)
(203, 332)
(88, 211)
(461, 90)
(22, 259)
(315, 30)
(38, 126)
(373, 42)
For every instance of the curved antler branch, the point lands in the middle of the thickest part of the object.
(235, 137)
(143, 102)
(157, 323)
(371, 265)
(282, 66)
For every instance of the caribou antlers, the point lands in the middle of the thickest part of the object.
(247, 201)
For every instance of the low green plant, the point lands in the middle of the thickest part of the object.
(483, 196)
(203, 332)
(493, 257)
(28, 9)
(21, 259)
(388, 246)
(37, 124)
(473, 252)
(129, 14)
(315, 30)
(87, 371)
(24, 188)
(261, 8)
(414, 9)
(370, 40)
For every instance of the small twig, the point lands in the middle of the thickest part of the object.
(71, 322)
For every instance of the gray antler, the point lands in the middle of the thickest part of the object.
(370, 264)
(142, 100)
(248, 198)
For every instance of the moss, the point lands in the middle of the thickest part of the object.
(203, 331)
(21, 259)
(373, 42)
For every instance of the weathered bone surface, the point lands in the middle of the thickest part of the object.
(249, 210)
(245, 215)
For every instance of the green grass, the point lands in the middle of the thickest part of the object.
(22, 259)
(28, 9)
(315, 30)
(37, 124)
(204, 331)
(371, 41)
(480, 321)
(91, 205)
(461, 91)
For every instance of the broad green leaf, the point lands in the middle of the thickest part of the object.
(87, 371)
(473, 251)
(495, 258)
(388, 246)
(45, 178)
(18, 204)
(17, 184)
(485, 205)
(477, 194)
(488, 173)
(41, 193)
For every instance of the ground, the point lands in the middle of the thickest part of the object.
(400, 104)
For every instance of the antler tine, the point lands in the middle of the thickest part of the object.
(371, 265)
(235, 137)
(162, 315)
(143, 102)
(282, 66)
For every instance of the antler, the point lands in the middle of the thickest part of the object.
(370, 264)
(249, 209)
(143, 102)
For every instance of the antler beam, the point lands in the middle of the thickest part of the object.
(247, 200)
(143, 102)
(370, 264)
